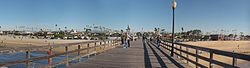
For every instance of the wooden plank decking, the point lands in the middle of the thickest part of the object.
(137, 56)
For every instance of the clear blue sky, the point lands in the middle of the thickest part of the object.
(207, 15)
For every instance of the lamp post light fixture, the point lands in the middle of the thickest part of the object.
(173, 7)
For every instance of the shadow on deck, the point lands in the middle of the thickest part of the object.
(139, 55)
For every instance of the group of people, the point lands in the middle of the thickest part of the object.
(157, 39)
(125, 39)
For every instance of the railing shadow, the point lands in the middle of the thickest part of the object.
(169, 57)
(160, 61)
(147, 61)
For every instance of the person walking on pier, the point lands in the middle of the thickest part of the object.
(128, 40)
(144, 38)
(122, 37)
(125, 40)
(128, 36)
(158, 40)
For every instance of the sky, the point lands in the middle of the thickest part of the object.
(207, 15)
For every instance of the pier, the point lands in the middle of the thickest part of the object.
(141, 54)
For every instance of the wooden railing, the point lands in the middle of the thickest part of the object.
(102, 45)
(180, 48)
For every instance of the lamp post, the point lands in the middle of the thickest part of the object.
(173, 7)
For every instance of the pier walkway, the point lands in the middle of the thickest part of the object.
(139, 55)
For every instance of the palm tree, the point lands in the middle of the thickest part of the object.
(65, 28)
(162, 30)
(41, 30)
(241, 35)
(56, 26)
(197, 34)
(182, 34)
(182, 29)
(155, 29)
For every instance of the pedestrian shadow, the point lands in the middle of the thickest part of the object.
(147, 61)
(169, 57)
(159, 59)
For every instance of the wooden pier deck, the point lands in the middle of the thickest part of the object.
(139, 55)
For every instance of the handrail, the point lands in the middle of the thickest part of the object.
(209, 50)
(113, 42)
(54, 45)
(216, 51)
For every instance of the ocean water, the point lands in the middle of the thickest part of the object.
(34, 64)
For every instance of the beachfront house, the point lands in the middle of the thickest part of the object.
(1, 32)
(49, 35)
(205, 38)
(216, 37)
(247, 37)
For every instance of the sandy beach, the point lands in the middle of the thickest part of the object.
(35, 42)
(10, 42)
(236, 46)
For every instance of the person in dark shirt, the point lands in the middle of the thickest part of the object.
(158, 41)
(122, 37)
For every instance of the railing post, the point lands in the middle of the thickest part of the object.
(175, 51)
(100, 45)
(66, 55)
(187, 54)
(88, 50)
(111, 42)
(79, 52)
(104, 45)
(114, 43)
(50, 59)
(211, 58)
(234, 60)
(167, 46)
(180, 52)
(196, 58)
(108, 44)
(28, 58)
(95, 48)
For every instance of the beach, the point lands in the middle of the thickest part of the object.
(230, 46)
(8, 43)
